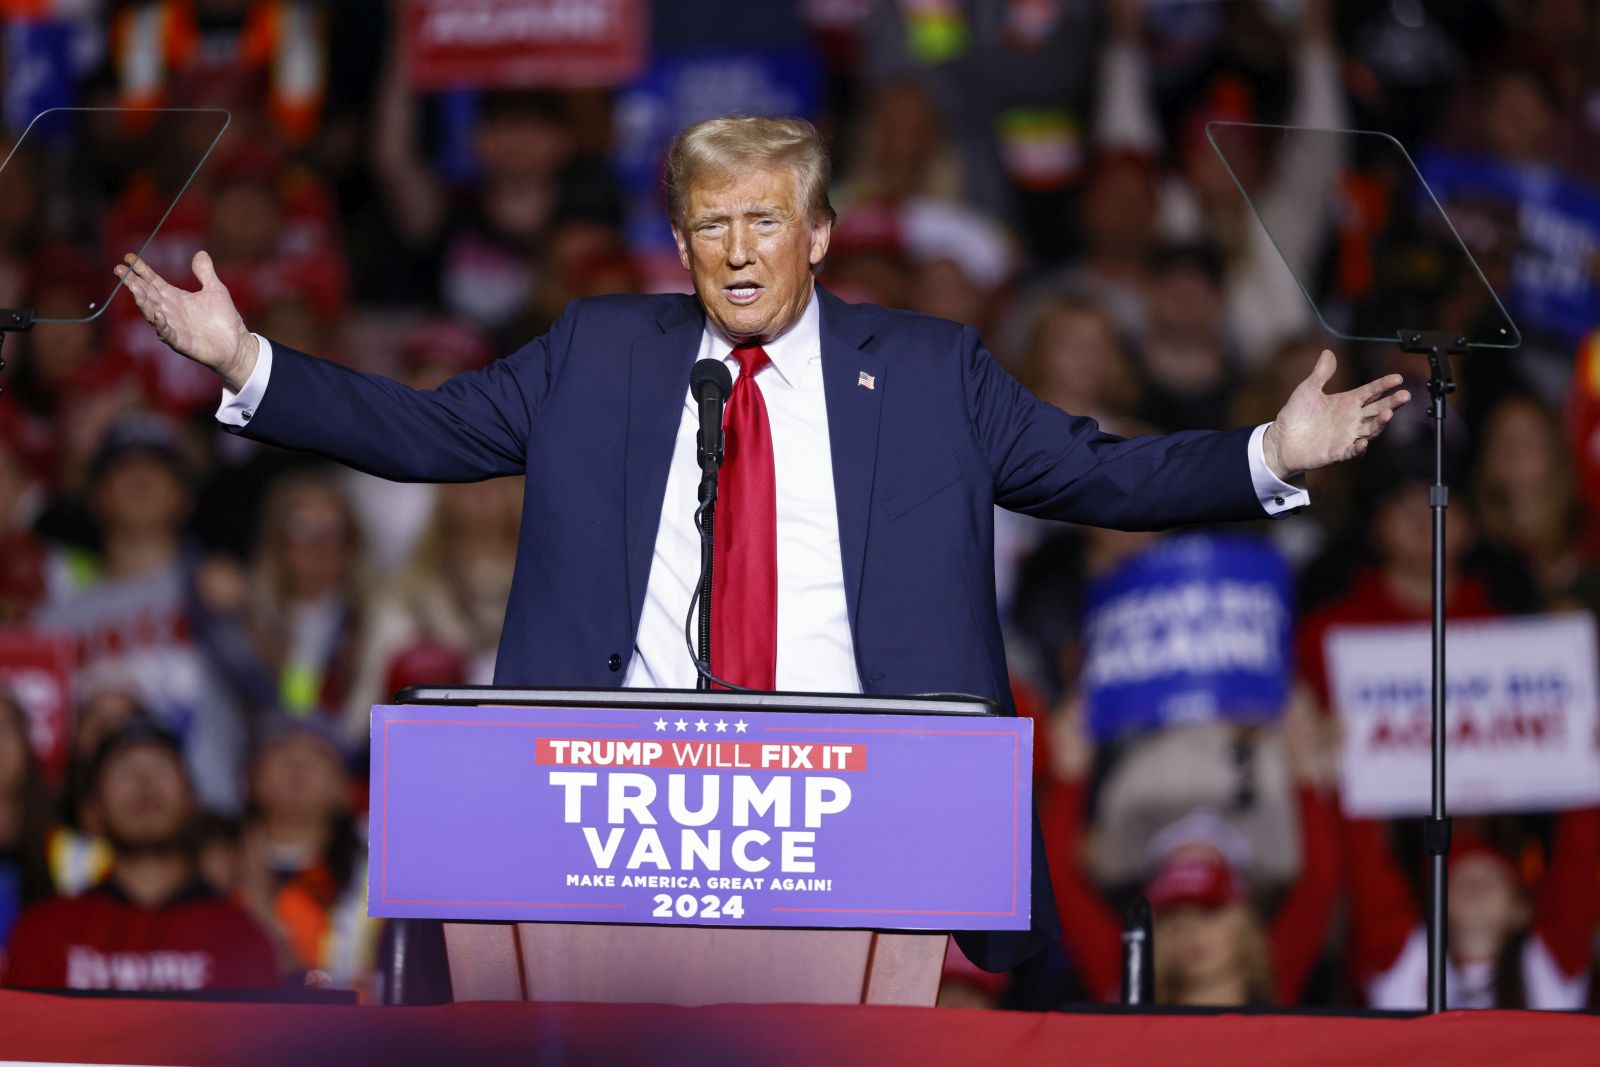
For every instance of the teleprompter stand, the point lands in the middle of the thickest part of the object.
(1243, 147)
(1438, 348)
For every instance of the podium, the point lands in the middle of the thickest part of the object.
(849, 950)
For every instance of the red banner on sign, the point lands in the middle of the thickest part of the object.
(37, 669)
(501, 44)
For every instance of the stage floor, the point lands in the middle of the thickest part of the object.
(41, 1027)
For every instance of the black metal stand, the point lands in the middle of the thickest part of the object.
(1438, 347)
(1138, 956)
(708, 518)
(14, 320)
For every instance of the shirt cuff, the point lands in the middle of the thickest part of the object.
(1277, 496)
(237, 409)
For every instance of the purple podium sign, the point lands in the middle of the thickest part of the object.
(712, 818)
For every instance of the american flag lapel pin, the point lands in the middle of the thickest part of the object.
(866, 381)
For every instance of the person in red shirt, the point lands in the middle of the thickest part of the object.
(153, 923)
(1509, 948)
(1396, 586)
(1212, 945)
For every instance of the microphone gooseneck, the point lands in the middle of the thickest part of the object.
(709, 383)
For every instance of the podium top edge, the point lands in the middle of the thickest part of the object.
(692, 699)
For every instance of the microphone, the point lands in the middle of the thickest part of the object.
(709, 384)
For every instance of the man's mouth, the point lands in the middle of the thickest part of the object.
(743, 292)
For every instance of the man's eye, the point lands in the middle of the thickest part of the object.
(711, 229)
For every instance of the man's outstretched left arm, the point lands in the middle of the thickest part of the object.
(1048, 463)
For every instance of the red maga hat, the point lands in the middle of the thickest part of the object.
(1205, 881)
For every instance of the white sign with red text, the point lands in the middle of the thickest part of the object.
(1520, 715)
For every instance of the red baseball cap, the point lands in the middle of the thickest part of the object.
(1201, 880)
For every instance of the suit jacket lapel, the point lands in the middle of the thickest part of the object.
(854, 403)
(658, 381)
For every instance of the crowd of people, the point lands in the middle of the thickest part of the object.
(1039, 170)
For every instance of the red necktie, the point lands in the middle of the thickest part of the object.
(744, 577)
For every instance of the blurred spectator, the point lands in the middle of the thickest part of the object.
(270, 54)
(1073, 354)
(585, 255)
(1395, 584)
(152, 924)
(145, 611)
(79, 857)
(1076, 357)
(1525, 495)
(1508, 948)
(1046, 619)
(307, 597)
(1213, 947)
(483, 238)
(217, 852)
(1007, 79)
(270, 225)
(21, 220)
(1290, 188)
(25, 818)
(452, 592)
(1190, 380)
(1521, 209)
(902, 151)
(961, 262)
(867, 257)
(60, 369)
(304, 864)
(29, 571)
(268, 235)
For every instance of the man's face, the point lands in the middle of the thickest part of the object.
(141, 493)
(749, 247)
(300, 778)
(143, 800)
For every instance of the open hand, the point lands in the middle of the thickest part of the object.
(1315, 428)
(203, 325)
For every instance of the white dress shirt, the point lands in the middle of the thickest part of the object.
(815, 648)
(815, 651)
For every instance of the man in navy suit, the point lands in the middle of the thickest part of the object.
(867, 449)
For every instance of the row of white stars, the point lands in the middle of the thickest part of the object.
(700, 726)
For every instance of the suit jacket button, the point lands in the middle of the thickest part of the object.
(615, 662)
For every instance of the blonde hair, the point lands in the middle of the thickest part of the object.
(724, 145)
(1252, 958)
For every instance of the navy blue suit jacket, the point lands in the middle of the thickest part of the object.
(589, 413)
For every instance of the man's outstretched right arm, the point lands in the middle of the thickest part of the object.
(474, 426)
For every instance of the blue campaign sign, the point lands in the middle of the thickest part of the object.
(1194, 629)
(679, 89)
(1557, 224)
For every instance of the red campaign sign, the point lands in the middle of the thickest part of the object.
(524, 43)
(37, 669)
